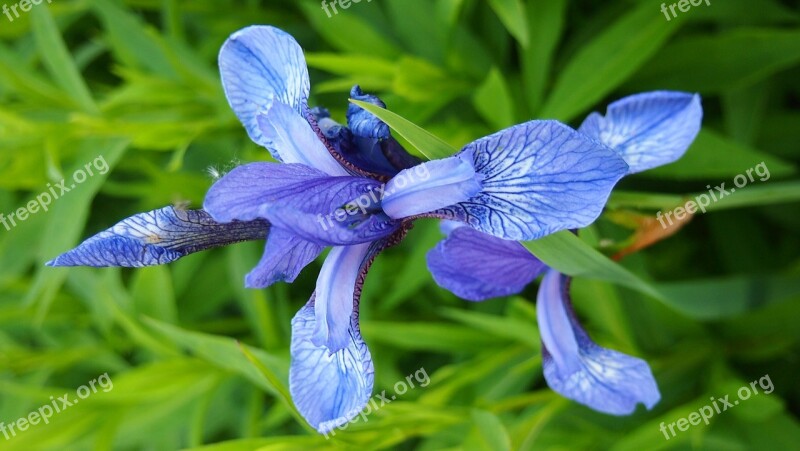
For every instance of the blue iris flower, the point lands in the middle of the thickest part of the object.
(355, 189)
(647, 130)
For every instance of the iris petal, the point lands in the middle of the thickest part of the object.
(430, 186)
(336, 288)
(328, 388)
(579, 369)
(285, 255)
(476, 266)
(538, 178)
(295, 141)
(649, 129)
(258, 64)
(250, 190)
(339, 227)
(363, 123)
(158, 237)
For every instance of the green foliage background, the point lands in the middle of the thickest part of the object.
(197, 361)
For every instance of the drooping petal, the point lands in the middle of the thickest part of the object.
(476, 266)
(250, 190)
(649, 129)
(157, 237)
(295, 141)
(430, 186)
(328, 388)
(285, 255)
(579, 369)
(538, 178)
(336, 286)
(258, 64)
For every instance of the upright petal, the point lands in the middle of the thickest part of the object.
(476, 266)
(363, 123)
(373, 147)
(577, 368)
(328, 388)
(431, 186)
(249, 190)
(290, 135)
(537, 178)
(335, 292)
(259, 64)
(158, 237)
(649, 129)
(285, 255)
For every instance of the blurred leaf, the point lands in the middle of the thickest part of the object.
(512, 14)
(713, 156)
(493, 101)
(58, 60)
(713, 63)
(603, 64)
(715, 299)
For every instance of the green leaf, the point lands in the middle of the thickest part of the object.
(428, 145)
(566, 253)
(715, 299)
(153, 295)
(429, 336)
(711, 64)
(58, 60)
(546, 24)
(132, 41)
(490, 433)
(715, 156)
(348, 32)
(512, 14)
(607, 61)
(226, 353)
(493, 100)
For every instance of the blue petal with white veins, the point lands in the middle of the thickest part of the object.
(158, 237)
(649, 129)
(576, 367)
(258, 64)
(328, 388)
(537, 178)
